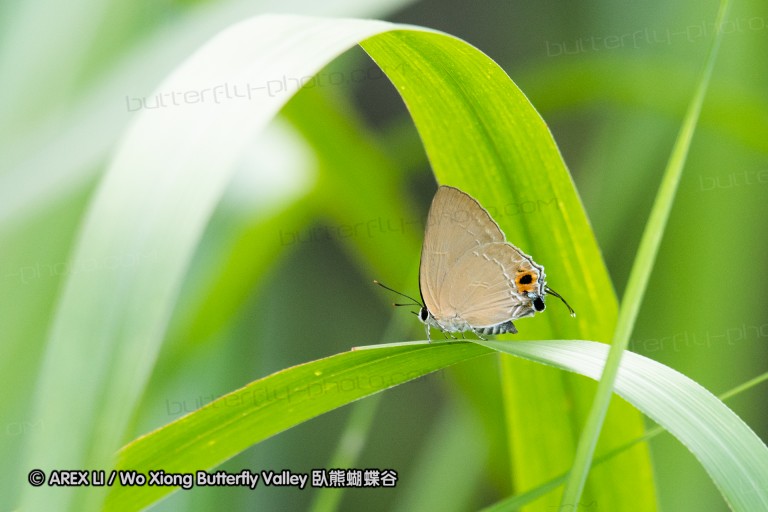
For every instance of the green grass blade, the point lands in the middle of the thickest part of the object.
(351, 444)
(732, 454)
(483, 135)
(518, 501)
(353, 438)
(735, 458)
(456, 428)
(150, 211)
(639, 277)
(75, 143)
(270, 405)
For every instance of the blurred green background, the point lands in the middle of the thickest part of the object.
(612, 79)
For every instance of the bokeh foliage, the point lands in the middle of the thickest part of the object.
(614, 109)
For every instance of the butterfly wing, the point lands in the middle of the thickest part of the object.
(456, 224)
(484, 289)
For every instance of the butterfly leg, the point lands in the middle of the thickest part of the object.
(480, 335)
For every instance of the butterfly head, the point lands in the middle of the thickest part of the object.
(537, 301)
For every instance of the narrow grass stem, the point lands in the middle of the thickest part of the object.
(639, 277)
(518, 501)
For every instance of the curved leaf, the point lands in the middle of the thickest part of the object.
(150, 211)
(735, 458)
(480, 133)
(498, 148)
(232, 423)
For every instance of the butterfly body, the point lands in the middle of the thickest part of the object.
(470, 277)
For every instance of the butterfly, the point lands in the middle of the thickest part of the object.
(470, 277)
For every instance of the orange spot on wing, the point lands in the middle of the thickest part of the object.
(525, 281)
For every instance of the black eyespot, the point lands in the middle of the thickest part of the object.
(423, 314)
(526, 279)
(538, 304)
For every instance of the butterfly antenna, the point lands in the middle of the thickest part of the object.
(553, 292)
(415, 302)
